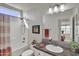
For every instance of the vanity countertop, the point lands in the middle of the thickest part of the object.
(66, 52)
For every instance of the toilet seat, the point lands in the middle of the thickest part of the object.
(27, 53)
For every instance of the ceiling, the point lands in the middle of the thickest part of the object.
(30, 6)
(37, 10)
(40, 6)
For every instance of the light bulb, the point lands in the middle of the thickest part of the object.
(50, 11)
(62, 8)
(56, 9)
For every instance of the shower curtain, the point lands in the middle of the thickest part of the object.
(5, 49)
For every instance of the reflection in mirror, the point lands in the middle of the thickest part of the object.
(65, 30)
(77, 29)
(60, 25)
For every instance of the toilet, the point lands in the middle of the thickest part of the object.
(28, 53)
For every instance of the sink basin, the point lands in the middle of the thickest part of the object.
(55, 49)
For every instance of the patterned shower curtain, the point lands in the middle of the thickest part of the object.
(5, 49)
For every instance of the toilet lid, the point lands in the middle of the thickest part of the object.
(27, 52)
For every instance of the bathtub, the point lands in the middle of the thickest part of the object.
(19, 50)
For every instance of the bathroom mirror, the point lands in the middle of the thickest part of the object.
(65, 26)
(70, 27)
(65, 30)
(77, 27)
(77, 30)
(59, 22)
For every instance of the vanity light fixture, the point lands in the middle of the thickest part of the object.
(56, 9)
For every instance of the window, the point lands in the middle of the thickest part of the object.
(10, 12)
(66, 29)
(67, 32)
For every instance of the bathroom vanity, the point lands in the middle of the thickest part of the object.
(45, 52)
(67, 52)
(63, 46)
(38, 52)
